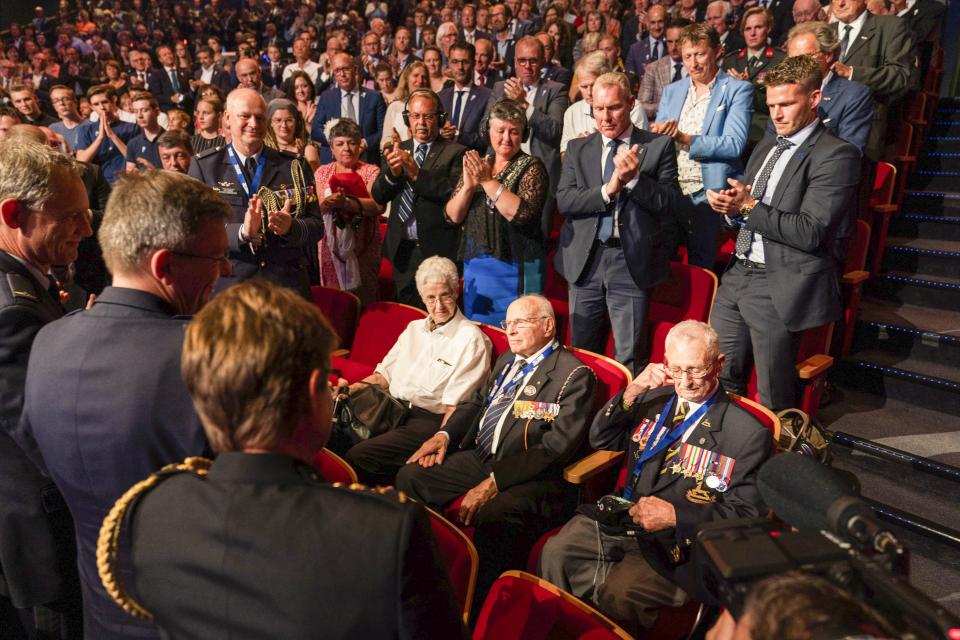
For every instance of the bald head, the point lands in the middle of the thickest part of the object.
(806, 11)
(344, 71)
(245, 115)
(656, 20)
(248, 73)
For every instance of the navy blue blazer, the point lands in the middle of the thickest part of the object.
(162, 88)
(371, 114)
(469, 135)
(120, 411)
(638, 56)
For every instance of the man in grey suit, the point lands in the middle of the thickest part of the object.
(546, 102)
(667, 69)
(617, 195)
(877, 51)
(794, 211)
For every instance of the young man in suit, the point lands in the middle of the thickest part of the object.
(210, 72)
(552, 70)
(667, 69)
(672, 413)
(545, 102)
(164, 240)
(794, 212)
(465, 101)
(274, 244)
(651, 47)
(616, 195)
(347, 99)
(708, 116)
(44, 215)
(846, 106)
(170, 84)
(417, 177)
(502, 453)
(469, 32)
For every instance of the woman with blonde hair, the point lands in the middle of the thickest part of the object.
(207, 115)
(415, 76)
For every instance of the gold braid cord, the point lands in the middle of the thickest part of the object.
(273, 200)
(108, 542)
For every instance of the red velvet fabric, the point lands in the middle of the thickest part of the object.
(381, 323)
(498, 337)
(330, 468)
(456, 554)
(342, 309)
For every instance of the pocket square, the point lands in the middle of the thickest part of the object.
(721, 107)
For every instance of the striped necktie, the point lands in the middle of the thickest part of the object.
(405, 210)
(673, 449)
(499, 406)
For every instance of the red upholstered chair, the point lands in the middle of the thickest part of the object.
(388, 290)
(686, 295)
(333, 468)
(882, 207)
(381, 323)
(498, 337)
(851, 284)
(341, 308)
(460, 555)
(520, 606)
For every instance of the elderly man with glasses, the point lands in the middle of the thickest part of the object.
(435, 363)
(692, 457)
(505, 447)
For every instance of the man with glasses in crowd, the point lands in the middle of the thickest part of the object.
(417, 177)
(692, 457)
(346, 99)
(504, 448)
(164, 240)
(64, 101)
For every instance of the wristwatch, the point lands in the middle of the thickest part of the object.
(744, 213)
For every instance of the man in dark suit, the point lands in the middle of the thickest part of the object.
(793, 227)
(651, 47)
(879, 52)
(468, 26)
(237, 534)
(505, 447)
(274, 244)
(43, 217)
(403, 49)
(271, 69)
(465, 101)
(487, 76)
(210, 72)
(545, 102)
(616, 194)
(130, 339)
(782, 11)
(925, 19)
(718, 17)
(846, 106)
(349, 100)
(633, 28)
(552, 70)
(417, 177)
(503, 40)
(170, 84)
(673, 413)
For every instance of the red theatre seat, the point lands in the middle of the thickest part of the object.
(341, 308)
(381, 323)
(851, 284)
(333, 468)
(520, 606)
(686, 295)
(388, 290)
(498, 337)
(460, 556)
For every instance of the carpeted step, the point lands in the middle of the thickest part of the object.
(922, 256)
(931, 179)
(912, 343)
(944, 143)
(906, 379)
(914, 224)
(932, 201)
(939, 160)
(937, 292)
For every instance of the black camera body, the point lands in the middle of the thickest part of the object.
(613, 516)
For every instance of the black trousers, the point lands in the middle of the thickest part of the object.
(405, 264)
(378, 459)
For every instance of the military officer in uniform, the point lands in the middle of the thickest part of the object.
(44, 215)
(752, 63)
(692, 456)
(275, 244)
(255, 545)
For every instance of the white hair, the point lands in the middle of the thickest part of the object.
(438, 270)
(688, 330)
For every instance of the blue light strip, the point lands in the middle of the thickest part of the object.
(908, 375)
(933, 284)
(925, 252)
(942, 337)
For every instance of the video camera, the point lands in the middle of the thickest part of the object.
(837, 539)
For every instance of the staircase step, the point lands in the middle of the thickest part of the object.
(922, 256)
(933, 179)
(932, 201)
(938, 161)
(913, 224)
(938, 292)
(907, 379)
(909, 330)
(940, 142)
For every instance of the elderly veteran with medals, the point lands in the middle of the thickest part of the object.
(692, 457)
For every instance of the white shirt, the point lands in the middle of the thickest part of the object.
(464, 94)
(354, 96)
(206, 74)
(756, 244)
(433, 369)
(310, 67)
(906, 10)
(517, 390)
(857, 26)
(531, 96)
(578, 118)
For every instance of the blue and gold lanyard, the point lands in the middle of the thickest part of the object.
(520, 375)
(248, 188)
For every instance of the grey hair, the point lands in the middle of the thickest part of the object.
(827, 39)
(543, 305)
(594, 64)
(687, 330)
(27, 171)
(726, 6)
(153, 210)
(438, 270)
(444, 28)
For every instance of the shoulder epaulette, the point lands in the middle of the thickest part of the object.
(209, 152)
(290, 155)
(400, 496)
(19, 289)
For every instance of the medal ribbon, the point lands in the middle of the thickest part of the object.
(248, 188)
(520, 375)
(664, 441)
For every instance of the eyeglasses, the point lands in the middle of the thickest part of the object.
(425, 117)
(519, 322)
(340, 70)
(444, 298)
(225, 258)
(694, 373)
(527, 62)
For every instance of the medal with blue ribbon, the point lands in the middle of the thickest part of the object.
(520, 375)
(249, 187)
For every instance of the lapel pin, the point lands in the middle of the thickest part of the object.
(702, 440)
(529, 390)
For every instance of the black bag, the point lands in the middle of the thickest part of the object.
(804, 435)
(366, 413)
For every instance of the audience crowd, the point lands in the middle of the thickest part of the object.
(176, 176)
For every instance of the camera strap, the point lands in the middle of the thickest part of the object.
(662, 441)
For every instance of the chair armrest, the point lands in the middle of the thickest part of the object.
(597, 462)
(340, 353)
(885, 208)
(814, 366)
(855, 277)
(907, 159)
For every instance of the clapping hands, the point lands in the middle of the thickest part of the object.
(476, 169)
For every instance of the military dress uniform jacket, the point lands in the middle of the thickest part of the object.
(36, 538)
(281, 259)
(262, 548)
(725, 429)
(739, 61)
